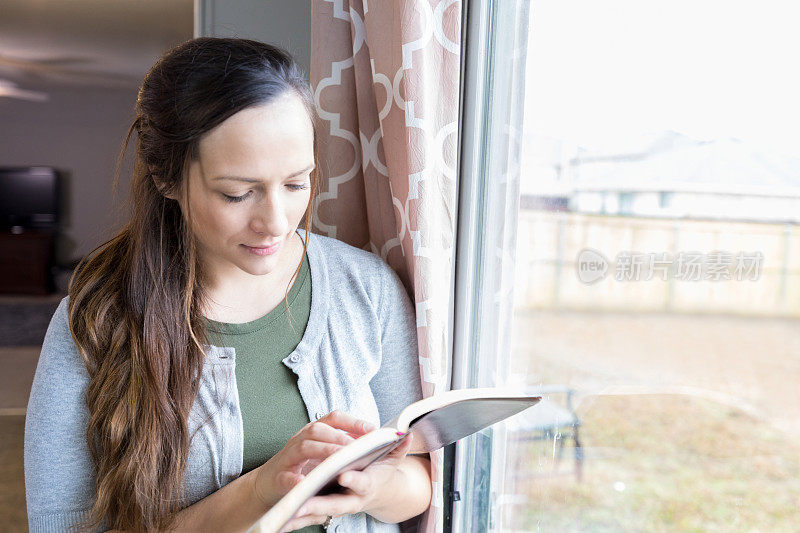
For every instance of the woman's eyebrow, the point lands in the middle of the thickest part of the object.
(256, 180)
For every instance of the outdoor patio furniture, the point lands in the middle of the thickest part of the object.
(553, 418)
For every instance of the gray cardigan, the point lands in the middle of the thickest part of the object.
(358, 354)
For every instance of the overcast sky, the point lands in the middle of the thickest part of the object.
(602, 72)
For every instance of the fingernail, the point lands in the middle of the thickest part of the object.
(368, 426)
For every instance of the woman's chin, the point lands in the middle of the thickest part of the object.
(259, 267)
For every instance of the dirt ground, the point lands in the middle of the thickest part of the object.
(752, 364)
(688, 423)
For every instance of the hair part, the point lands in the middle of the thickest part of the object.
(136, 301)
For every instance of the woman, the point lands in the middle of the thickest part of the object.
(173, 389)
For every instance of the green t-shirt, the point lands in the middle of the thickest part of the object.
(272, 408)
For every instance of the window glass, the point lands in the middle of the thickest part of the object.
(653, 267)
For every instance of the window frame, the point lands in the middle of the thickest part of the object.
(486, 216)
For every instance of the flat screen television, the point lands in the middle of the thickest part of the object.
(29, 197)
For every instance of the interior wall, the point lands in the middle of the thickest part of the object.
(89, 58)
(280, 22)
(79, 131)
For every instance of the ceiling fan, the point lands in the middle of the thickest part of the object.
(9, 89)
(57, 69)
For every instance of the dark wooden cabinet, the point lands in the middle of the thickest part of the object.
(26, 261)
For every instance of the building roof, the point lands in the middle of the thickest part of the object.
(662, 162)
(725, 166)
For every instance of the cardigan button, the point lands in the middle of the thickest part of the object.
(294, 358)
(318, 415)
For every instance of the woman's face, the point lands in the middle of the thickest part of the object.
(250, 187)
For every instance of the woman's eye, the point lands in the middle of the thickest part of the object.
(236, 198)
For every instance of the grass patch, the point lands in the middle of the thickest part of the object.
(664, 463)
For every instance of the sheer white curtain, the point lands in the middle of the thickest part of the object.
(492, 117)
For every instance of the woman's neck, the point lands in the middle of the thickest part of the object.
(249, 299)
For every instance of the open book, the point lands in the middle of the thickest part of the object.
(435, 422)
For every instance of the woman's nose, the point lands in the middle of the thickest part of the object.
(269, 217)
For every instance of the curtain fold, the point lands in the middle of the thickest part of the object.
(386, 86)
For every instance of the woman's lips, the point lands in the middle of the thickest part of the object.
(263, 251)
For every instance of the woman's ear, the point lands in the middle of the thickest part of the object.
(161, 185)
(162, 188)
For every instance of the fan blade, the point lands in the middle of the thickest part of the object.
(10, 90)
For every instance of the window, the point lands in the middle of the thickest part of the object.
(628, 237)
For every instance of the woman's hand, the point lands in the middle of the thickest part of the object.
(370, 490)
(304, 450)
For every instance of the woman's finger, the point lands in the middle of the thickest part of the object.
(300, 522)
(404, 447)
(334, 504)
(358, 482)
(398, 453)
(325, 433)
(341, 420)
(310, 449)
(309, 465)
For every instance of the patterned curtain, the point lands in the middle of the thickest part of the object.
(386, 82)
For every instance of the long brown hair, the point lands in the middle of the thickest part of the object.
(135, 301)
